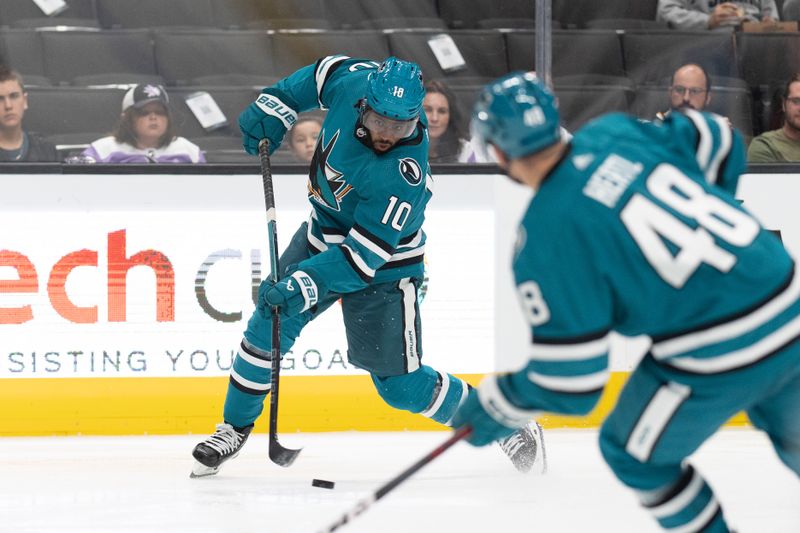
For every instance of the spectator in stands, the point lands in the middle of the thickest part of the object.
(145, 133)
(690, 88)
(303, 137)
(710, 14)
(448, 142)
(16, 144)
(781, 145)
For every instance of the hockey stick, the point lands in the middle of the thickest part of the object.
(365, 504)
(277, 453)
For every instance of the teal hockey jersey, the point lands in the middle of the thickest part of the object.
(367, 207)
(636, 230)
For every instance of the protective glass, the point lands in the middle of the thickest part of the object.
(397, 129)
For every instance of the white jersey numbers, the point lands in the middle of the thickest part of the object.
(533, 304)
(652, 226)
(396, 213)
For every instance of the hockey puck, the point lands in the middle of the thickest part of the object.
(321, 483)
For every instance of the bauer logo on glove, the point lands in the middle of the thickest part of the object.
(293, 295)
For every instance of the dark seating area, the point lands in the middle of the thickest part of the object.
(607, 56)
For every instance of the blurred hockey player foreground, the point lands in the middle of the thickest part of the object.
(633, 228)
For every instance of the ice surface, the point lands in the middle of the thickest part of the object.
(141, 484)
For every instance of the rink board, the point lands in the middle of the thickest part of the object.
(123, 298)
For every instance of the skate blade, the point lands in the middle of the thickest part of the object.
(201, 470)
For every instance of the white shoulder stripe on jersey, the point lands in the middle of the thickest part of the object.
(654, 420)
(729, 330)
(705, 141)
(739, 358)
(369, 245)
(725, 141)
(571, 384)
(321, 74)
(360, 263)
(569, 352)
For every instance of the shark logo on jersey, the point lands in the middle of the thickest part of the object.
(410, 171)
(325, 183)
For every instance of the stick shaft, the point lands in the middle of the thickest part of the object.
(279, 455)
(360, 507)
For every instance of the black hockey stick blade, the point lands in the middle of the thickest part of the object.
(360, 507)
(279, 455)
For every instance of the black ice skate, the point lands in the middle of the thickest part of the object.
(224, 444)
(526, 450)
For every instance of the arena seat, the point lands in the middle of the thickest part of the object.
(291, 24)
(348, 14)
(402, 23)
(66, 53)
(574, 52)
(76, 13)
(294, 50)
(256, 81)
(733, 102)
(625, 24)
(62, 110)
(578, 104)
(483, 52)
(458, 16)
(520, 23)
(248, 14)
(23, 50)
(115, 14)
(768, 58)
(246, 52)
(577, 13)
(651, 56)
(231, 101)
(118, 79)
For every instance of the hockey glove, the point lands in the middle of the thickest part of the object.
(266, 118)
(491, 416)
(293, 294)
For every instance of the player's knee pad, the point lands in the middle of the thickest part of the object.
(409, 392)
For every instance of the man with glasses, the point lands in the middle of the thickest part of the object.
(690, 89)
(369, 184)
(781, 145)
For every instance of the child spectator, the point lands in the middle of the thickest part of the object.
(145, 133)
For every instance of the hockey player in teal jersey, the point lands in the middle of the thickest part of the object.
(369, 183)
(634, 228)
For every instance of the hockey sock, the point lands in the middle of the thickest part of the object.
(248, 386)
(689, 505)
